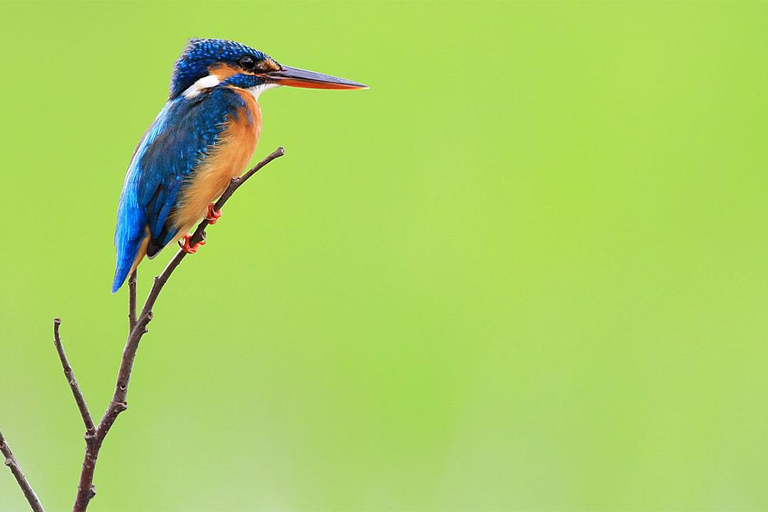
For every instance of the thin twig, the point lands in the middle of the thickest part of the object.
(85, 489)
(132, 300)
(13, 465)
(70, 375)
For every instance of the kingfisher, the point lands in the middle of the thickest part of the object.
(203, 137)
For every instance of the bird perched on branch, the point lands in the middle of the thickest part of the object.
(203, 137)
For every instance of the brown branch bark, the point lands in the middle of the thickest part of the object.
(13, 465)
(70, 375)
(132, 300)
(85, 489)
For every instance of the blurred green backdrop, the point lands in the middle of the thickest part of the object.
(526, 270)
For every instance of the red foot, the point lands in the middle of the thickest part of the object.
(190, 249)
(213, 215)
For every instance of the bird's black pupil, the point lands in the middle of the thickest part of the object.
(247, 62)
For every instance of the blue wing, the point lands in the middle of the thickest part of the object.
(179, 139)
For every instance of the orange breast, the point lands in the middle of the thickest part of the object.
(227, 160)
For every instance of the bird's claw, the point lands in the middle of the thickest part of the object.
(190, 249)
(213, 215)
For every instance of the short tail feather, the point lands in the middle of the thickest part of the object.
(125, 262)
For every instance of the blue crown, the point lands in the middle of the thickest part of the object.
(200, 54)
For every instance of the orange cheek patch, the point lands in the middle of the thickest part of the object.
(223, 71)
(268, 64)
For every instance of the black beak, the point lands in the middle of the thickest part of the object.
(295, 77)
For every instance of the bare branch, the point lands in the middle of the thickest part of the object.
(132, 300)
(85, 489)
(70, 375)
(13, 465)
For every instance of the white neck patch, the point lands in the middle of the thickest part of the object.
(256, 91)
(202, 84)
(210, 81)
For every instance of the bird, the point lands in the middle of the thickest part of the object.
(204, 135)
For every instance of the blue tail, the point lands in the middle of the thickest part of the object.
(125, 259)
(129, 234)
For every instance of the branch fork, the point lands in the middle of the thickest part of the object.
(137, 328)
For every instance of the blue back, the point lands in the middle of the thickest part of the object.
(165, 161)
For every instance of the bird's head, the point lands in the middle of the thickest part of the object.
(206, 63)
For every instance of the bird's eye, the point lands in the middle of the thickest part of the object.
(247, 62)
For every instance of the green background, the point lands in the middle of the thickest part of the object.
(526, 270)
